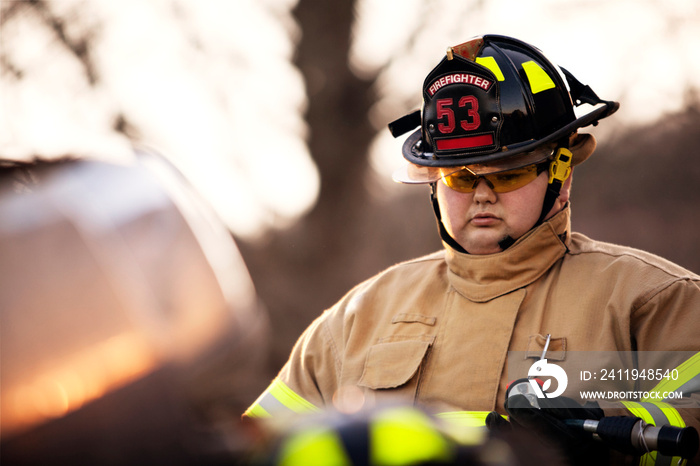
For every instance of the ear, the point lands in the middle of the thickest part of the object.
(565, 191)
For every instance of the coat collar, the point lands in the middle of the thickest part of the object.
(481, 278)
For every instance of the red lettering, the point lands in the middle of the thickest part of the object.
(447, 114)
(473, 112)
(443, 110)
(464, 78)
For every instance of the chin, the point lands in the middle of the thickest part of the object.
(483, 249)
(480, 246)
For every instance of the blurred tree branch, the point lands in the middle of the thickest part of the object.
(350, 234)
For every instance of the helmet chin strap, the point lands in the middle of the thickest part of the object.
(559, 171)
(444, 235)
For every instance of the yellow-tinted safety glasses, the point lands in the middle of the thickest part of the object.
(465, 181)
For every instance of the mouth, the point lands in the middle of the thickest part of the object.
(484, 219)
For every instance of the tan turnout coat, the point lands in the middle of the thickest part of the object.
(437, 331)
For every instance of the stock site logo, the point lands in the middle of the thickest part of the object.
(542, 368)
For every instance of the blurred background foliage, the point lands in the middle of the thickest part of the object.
(276, 111)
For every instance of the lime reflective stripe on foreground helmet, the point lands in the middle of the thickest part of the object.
(390, 436)
(314, 447)
(407, 436)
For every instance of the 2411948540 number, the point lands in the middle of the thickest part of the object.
(632, 374)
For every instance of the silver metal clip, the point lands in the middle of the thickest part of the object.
(546, 345)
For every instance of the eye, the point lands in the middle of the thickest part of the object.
(514, 176)
(464, 177)
(509, 177)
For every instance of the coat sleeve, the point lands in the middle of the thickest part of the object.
(666, 332)
(308, 380)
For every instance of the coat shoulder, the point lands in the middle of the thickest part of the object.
(624, 256)
(400, 281)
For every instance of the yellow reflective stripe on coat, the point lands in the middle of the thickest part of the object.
(279, 399)
(658, 414)
(688, 380)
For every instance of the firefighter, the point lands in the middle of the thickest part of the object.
(497, 143)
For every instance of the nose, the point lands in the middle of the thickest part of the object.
(483, 191)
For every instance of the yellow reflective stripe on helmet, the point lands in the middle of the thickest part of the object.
(688, 371)
(465, 418)
(314, 447)
(406, 436)
(279, 399)
(490, 63)
(538, 78)
(466, 427)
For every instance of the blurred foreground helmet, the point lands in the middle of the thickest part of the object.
(396, 435)
(131, 331)
(498, 101)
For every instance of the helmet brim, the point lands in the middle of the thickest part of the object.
(581, 146)
(413, 146)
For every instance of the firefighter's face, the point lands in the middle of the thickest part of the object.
(481, 219)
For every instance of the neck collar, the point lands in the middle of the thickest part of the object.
(484, 277)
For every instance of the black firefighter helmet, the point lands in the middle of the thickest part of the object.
(495, 103)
